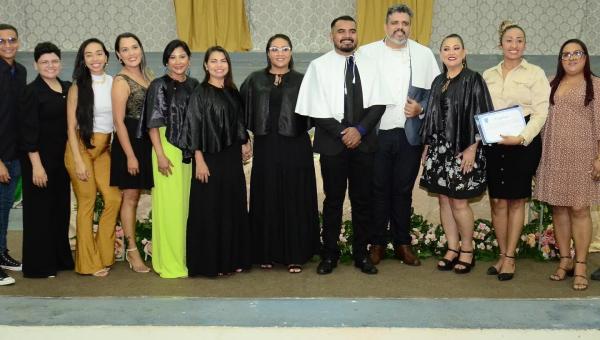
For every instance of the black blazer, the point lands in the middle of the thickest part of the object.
(328, 138)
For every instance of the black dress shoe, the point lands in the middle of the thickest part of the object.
(326, 266)
(596, 275)
(366, 266)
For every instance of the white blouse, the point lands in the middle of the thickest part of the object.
(103, 117)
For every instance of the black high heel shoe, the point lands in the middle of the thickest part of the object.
(581, 285)
(568, 272)
(506, 276)
(492, 270)
(448, 264)
(467, 266)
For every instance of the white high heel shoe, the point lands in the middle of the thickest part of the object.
(147, 270)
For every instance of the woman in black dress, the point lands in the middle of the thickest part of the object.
(46, 189)
(131, 160)
(283, 197)
(218, 237)
(453, 162)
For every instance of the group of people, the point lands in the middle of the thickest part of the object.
(379, 112)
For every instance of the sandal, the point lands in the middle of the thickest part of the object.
(492, 270)
(467, 266)
(507, 276)
(295, 268)
(448, 264)
(580, 286)
(101, 273)
(266, 266)
(139, 268)
(560, 270)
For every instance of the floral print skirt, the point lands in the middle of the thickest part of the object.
(442, 175)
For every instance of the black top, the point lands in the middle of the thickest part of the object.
(166, 105)
(466, 96)
(43, 121)
(215, 120)
(256, 91)
(12, 81)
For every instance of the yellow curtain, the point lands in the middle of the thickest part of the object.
(370, 16)
(204, 23)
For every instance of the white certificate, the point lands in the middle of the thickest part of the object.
(506, 122)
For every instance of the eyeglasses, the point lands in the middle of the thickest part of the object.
(284, 49)
(9, 41)
(46, 63)
(575, 55)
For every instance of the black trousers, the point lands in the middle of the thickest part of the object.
(46, 213)
(395, 171)
(350, 169)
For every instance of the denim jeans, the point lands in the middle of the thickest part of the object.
(7, 197)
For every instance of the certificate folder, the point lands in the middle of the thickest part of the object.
(506, 122)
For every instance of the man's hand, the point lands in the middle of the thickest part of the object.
(4, 175)
(412, 108)
(351, 137)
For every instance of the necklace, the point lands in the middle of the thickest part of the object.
(101, 81)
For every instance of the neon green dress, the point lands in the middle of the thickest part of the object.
(170, 204)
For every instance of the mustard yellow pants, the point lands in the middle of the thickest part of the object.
(93, 253)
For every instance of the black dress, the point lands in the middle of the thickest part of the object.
(448, 129)
(142, 147)
(46, 211)
(218, 236)
(284, 217)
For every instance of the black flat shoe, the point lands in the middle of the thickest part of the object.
(467, 266)
(366, 266)
(326, 266)
(506, 276)
(448, 264)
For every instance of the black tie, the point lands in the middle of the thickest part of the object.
(349, 90)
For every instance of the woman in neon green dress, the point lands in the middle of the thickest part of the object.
(164, 114)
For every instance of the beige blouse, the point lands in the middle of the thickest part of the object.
(525, 85)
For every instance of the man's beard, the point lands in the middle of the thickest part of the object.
(346, 48)
(400, 42)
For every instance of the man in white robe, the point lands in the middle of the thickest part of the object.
(343, 94)
(408, 69)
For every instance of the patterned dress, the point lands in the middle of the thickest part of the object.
(570, 144)
(441, 171)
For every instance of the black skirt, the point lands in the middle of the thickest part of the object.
(142, 148)
(284, 216)
(510, 168)
(218, 236)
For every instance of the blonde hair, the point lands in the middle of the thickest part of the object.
(505, 26)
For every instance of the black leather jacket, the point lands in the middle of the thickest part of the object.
(166, 105)
(466, 96)
(256, 91)
(214, 120)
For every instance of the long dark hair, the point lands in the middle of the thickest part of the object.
(289, 41)
(229, 76)
(587, 73)
(85, 94)
(143, 66)
(462, 44)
